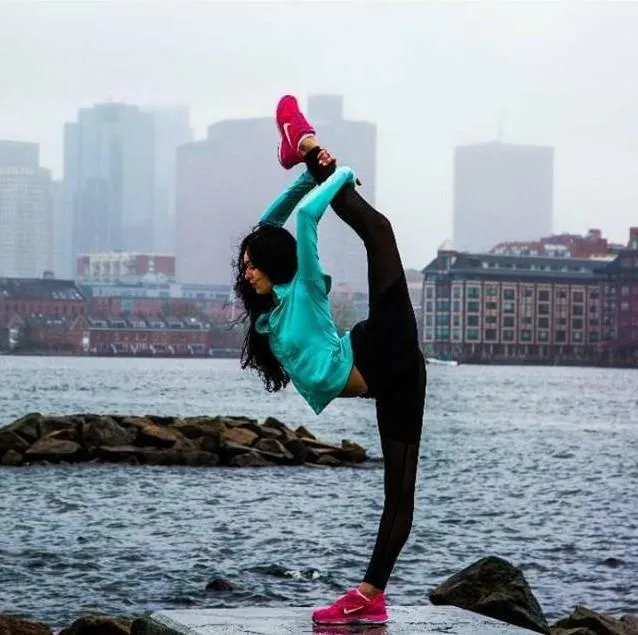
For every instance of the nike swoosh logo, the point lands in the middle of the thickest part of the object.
(348, 611)
(285, 127)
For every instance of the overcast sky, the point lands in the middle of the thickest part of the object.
(430, 75)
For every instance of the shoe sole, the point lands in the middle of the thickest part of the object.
(353, 623)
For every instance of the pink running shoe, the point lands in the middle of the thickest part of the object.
(293, 128)
(353, 608)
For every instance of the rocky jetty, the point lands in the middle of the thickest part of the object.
(38, 439)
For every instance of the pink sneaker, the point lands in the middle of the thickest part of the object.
(353, 608)
(293, 128)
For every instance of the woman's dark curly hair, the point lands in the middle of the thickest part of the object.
(272, 250)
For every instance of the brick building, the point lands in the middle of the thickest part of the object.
(487, 307)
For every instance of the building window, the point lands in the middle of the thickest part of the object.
(543, 309)
(429, 307)
(508, 320)
(577, 336)
(473, 307)
(472, 334)
(543, 336)
(560, 336)
(561, 321)
(508, 294)
(442, 333)
(508, 336)
(561, 294)
(491, 291)
(527, 292)
(491, 319)
(429, 292)
(624, 290)
(577, 296)
(543, 296)
(577, 323)
(491, 306)
(456, 334)
(593, 322)
(456, 306)
(472, 320)
(508, 307)
(456, 292)
(456, 320)
(526, 321)
(593, 336)
(594, 295)
(490, 335)
(543, 323)
(473, 292)
(429, 320)
(526, 335)
(577, 309)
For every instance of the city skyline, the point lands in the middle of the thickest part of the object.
(447, 74)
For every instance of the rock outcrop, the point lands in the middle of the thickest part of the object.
(495, 588)
(152, 440)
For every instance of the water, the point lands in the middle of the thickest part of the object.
(537, 465)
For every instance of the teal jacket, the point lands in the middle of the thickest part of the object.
(300, 328)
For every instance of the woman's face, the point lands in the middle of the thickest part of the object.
(257, 279)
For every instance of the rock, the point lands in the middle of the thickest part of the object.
(299, 451)
(240, 436)
(351, 452)
(495, 588)
(266, 432)
(287, 433)
(207, 444)
(12, 458)
(584, 621)
(95, 625)
(219, 584)
(26, 427)
(139, 423)
(119, 453)
(303, 432)
(275, 449)
(196, 458)
(249, 459)
(154, 436)
(106, 432)
(54, 451)
(10, 440)
(18, 626)
(328, 459)
(160, 420)
(67, 434)
(47, 424)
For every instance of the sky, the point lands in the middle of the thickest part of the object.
(431, 75)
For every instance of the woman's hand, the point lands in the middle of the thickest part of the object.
(325, 158)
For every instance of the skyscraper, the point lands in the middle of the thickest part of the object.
(25, 212)
(502, 192)
(172, 129)
(226, 180)
(109, 178)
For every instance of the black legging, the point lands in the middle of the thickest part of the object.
(386, 352)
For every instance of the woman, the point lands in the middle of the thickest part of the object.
(292, 336)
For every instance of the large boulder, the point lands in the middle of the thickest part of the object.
(584, 621)
(96, 625)
(11, 458)
(18, 626)
(495, 588)
(160, 437)
(105, 431)
(26, 427)
(55, 451)
(10, 440)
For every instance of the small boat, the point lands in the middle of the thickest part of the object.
(441, 362)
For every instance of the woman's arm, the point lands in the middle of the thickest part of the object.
(309, 214)
(279, 210)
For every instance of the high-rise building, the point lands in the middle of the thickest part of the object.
(502, 192)
(21, 153)
(226, 180)
(25, 212)
(172, 129)
(109, 182)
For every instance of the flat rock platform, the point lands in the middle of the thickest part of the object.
(404, 620)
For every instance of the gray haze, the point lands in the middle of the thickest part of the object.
(430, 75)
